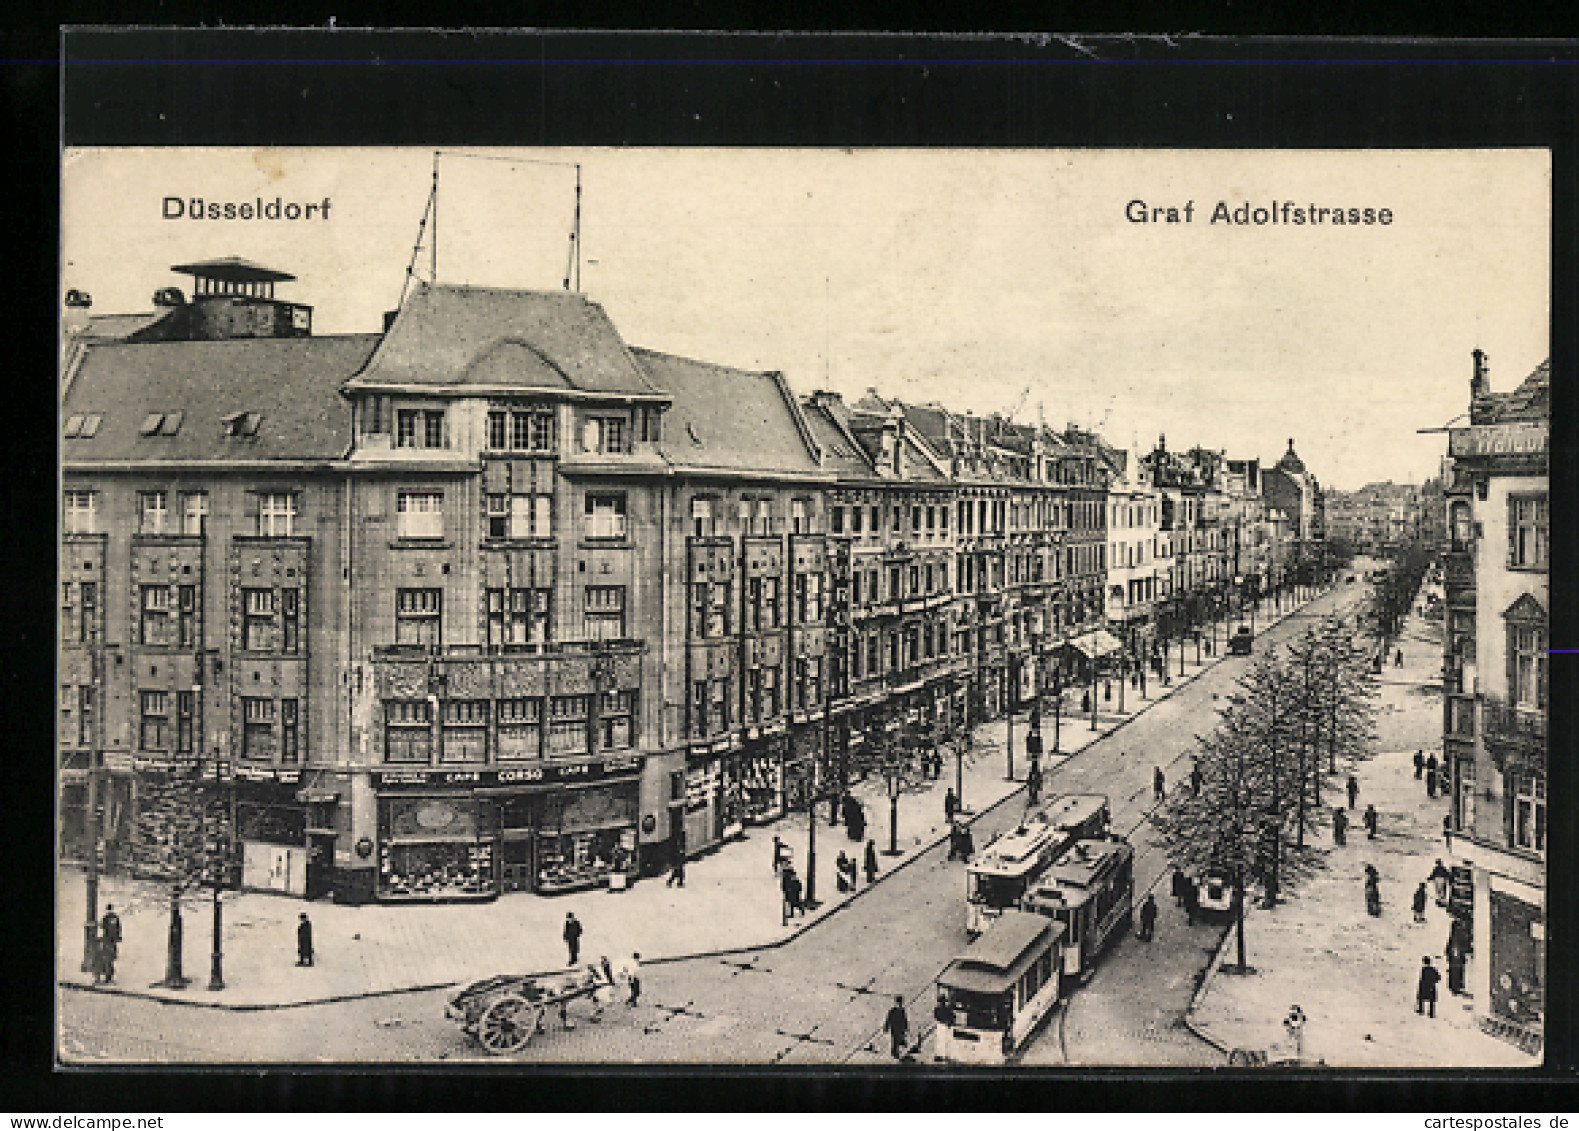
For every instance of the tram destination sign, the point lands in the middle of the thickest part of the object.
(1523, 438)
(568, 773)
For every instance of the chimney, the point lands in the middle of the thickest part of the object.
(1479, 384)
(827, 398)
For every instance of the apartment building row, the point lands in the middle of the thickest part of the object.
(494, 601)
(1495, 569)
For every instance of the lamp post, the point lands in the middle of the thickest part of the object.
(216, 971)
(90, 927)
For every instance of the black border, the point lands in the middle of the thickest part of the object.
(174, 87)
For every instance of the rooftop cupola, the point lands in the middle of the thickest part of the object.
(234, 298)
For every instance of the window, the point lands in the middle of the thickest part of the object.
(744, 514)
(615, 729)
(186, 605)
(702, 518)
(605, 612)
(81, 512)
(520, 728)
(915, 521)
(155, 626)
(88, 597)
(615, 435)
(894, 583)
(418, 616)
(856, 514)
(808, 682)
(718, 609)
(799, 521)
(567, 725)
(290, 621)
(770, 602)
(518, 616)
(753, 713)
(70, 627)
(185, 710)
(808, 598)
(154, 733)
(290, 733)
(498, 424)
(836, 520)
(1529, 811)
(194, 514)
(408, 730)
(465, 733)
(855, 589)
(1528, 666)
(699, 703)
(898, 515)
(276, 515)
(520, 516)
(943, 520)
(419, 514)
(605, 517)
(764, 516)
(153, 512)
(257, 728)
(651, 424)
(499, 516)
(406, 428)
(432, 429)
(719, 712)
(915, 581)
(85, 715)
(770, 692)
(257, 620)
(1527, 531)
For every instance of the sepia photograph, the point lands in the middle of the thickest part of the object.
(941, 609)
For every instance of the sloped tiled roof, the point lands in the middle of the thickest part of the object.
(840, 456)
(292, 383)
(1532, 400)
(727, 419)
(449, 336)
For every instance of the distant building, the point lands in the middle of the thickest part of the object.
(1496, 565)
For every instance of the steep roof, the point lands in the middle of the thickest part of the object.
(1532, 400)
(1291, 463)
(728, 419)
(840, 456)
(448, 336)
(292, 384)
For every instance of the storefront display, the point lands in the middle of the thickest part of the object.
(759, 782)
(586, 834)
(431, 848)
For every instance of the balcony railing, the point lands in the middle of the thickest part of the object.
(1499, 719)
(562, 648)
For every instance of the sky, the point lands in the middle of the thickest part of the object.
(987, 280)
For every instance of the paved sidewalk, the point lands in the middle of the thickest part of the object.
(1353, 975)
(730, 902)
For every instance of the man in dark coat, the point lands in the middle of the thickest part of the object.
(1148, 918)
(1425, 992)
(1195, 778)
(897, 1026)
(1340, 827)
(304, 940)
(1177, 887)
(1033, 785)
(1430, 776)
(572, 937)
(950, 805)
(1440, 877)
(1192, 901)
(109, 944)
(1419, 903)
(1354, 790)
(1158, 783)
(1455, 967)
(1419, 763)
(1373, 891)
(789, 885)
(871, 862)
(1370, 822)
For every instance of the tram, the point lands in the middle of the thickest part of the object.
(992, 997)
(1015, 860)
(1090, 892)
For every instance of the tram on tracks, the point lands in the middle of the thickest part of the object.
(994, 995)
(1090, 891)
(1013, 862)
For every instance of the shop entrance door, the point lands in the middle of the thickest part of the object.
(320, 865)
(516, 864)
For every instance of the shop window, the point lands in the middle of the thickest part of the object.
(419, 514)
(153, 512)
(186, 607)
(185, 710)
(1529, 811)
(616, 727)
(290, 621)
(518, 617)
(154, 631)
(408, 730)
(81, 512)
(567, 725)
(1527, 531)
(257, 728)
(605, 517)
(465, 732)
(155, 730)
(418, 616)
(276, 515)
(604, 618)
(520, 728)
(257, 620)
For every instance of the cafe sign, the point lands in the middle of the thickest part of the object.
(1522, 438)
(570, 773)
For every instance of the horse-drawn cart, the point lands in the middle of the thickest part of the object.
(503, 1012)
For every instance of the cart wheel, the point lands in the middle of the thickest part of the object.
(506, 1025)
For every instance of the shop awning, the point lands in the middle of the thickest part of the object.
(1094, 645)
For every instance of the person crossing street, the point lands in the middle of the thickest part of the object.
(1148, 918)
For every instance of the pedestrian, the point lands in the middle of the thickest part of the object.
(1294, 1024)
(1398, 661)
(304, 940)
(1354, 790)
(1148, 917)
(780, 854)
(1192, 901)
(1370, 822)
(109, 947)
(844, 869)
(792, 894)
(855, 820)
(871, 862)
(1447, 831)
(1419, 903)
(1373, 892)
(572, 936)
(1177, 887)
(603, 978)
(950, 805)
(897, 1026)
(1340, 827)
(1439, 879)
(1455, 967)
(1158, 783)
(676, 869)
(1419, 763)
(1033, 785)
(632, 976)
(1430, 776)
(967, 843)
(1195, 778)
(1425, 993)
